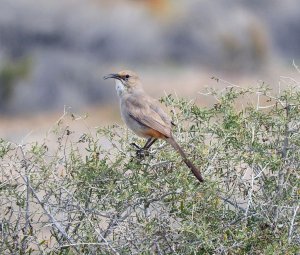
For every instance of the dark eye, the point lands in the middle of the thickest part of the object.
(127, 76)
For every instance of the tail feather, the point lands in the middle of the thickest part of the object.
(190, 165)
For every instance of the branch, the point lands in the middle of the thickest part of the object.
(232, 203)
(50, 216)
(24, 242)
(102, 238)
(292, 223)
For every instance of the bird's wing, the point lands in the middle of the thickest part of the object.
(155, 106)
(144, 110)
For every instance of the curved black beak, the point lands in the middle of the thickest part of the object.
(112, 76)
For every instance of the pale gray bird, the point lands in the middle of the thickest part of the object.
(144, 116)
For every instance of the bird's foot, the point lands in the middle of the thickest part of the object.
(141, 153)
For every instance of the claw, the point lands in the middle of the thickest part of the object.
(141, 154)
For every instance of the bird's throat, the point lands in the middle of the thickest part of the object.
(120, 88)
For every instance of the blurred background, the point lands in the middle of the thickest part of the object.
(54, 53)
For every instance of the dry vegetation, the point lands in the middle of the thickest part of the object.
(79, 197)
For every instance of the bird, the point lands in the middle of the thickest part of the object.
(144, 116)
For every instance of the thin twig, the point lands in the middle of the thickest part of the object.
(50, 216)
(293, 223)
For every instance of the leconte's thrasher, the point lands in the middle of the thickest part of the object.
(144, 116)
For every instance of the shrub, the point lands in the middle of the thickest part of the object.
(89, 194)
(10, 74)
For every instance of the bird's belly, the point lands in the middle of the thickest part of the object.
(136, 127)
(142, 130)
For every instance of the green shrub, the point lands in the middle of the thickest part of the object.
(10, 73)
(89, 194)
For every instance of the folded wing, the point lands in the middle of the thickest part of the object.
(149, 114)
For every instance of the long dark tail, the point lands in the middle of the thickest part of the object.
(190, 165)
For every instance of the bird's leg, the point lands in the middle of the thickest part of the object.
(149, 143)
(136, 146)
(139, 151)
(143, 152)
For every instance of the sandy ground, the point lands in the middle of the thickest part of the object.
(24, 129)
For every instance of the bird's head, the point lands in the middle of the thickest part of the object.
(126, 81)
